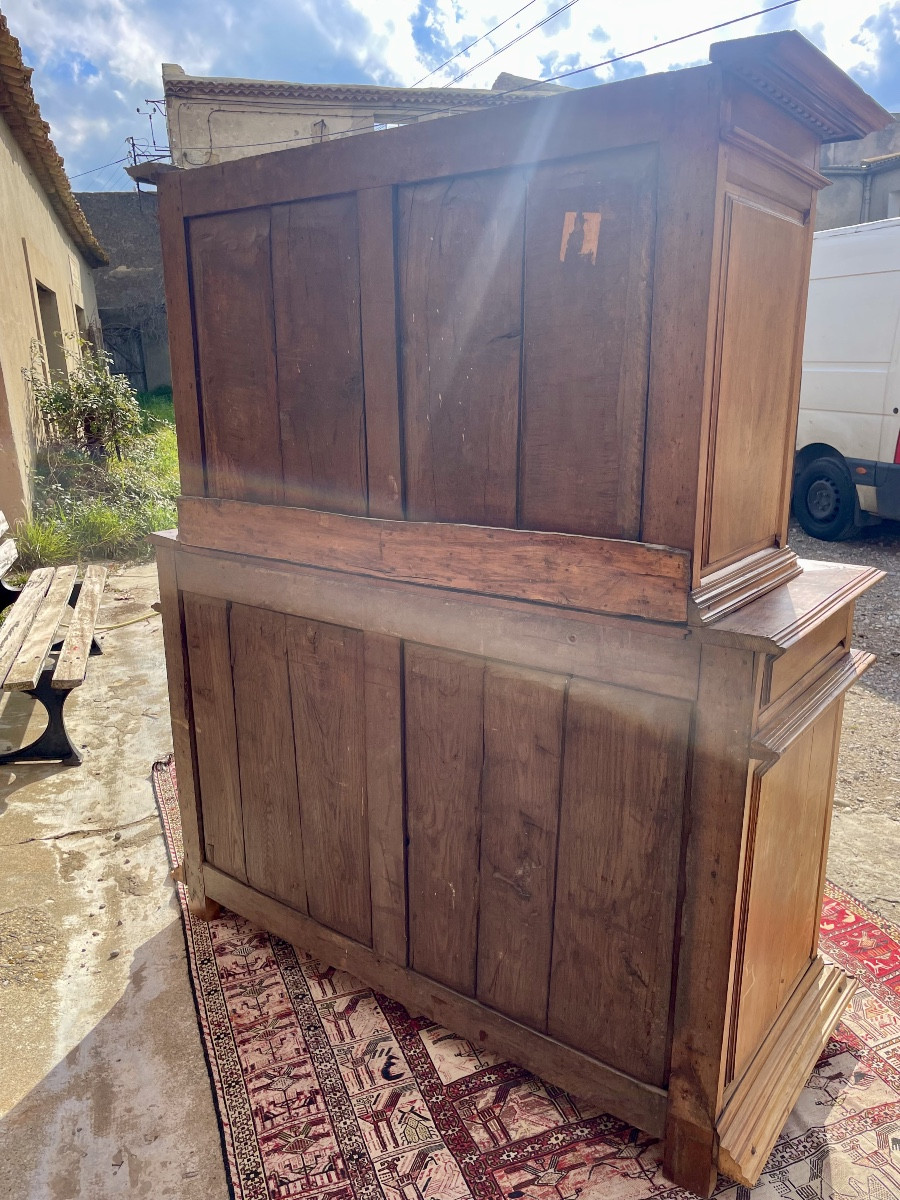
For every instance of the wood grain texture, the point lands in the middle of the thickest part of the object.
(444, 754)
(9, 552)
(327, 671)
(588, 263)
(460, 276)
(20, 617)
(378, 311)
(714, 819)
(619, 852)
(752, 398)
(652, 657)
(71, 664)
(610, 1090)
(215, 735)
(315, 282)
(29, 662)
(273, 841)
(384, 791)
(235, 332)
(180, 323)
(523, 734)
(600, 575)
(182, 718)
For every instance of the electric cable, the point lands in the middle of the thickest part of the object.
(518, 38)
(466, 49)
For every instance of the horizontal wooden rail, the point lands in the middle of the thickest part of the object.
(594, 574)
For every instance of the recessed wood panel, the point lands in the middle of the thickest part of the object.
(786, 845)
(315, 268)
(523, 720)
(760, 294)
(329, 719)
(444, 752)
(212, 697)
(460, 280)
(588, 260)
(265, 737)
(619, 849)
(235, 333)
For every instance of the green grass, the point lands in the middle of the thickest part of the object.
(156, 406)
(84, 511)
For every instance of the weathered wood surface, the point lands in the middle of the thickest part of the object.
(29, 661)
(599, 575)
(71, 665)
(19, 620)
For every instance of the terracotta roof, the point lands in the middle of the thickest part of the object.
(19, 109)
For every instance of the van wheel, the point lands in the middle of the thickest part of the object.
(825, 500)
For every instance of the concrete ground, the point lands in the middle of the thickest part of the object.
(103, 1086)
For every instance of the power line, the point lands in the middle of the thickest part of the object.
(517, 91)
(466, 49)
(512, 42)
(94, 170)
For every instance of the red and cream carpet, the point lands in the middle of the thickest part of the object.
(325, 1089)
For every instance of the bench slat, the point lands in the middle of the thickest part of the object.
(20, 616)
(8, 555)
(4, 524)
(26, 670)
(72, 662)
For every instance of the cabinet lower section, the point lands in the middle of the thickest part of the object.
(616, 886)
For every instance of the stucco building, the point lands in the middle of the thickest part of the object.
(212, 120)
(130, 292)
(47, 250)
(865, 180)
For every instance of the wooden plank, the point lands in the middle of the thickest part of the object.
(19, 618)
(273, 841)
(235, 332)
(181, 714)
(623, 791)
(384, 788)
(629, 112)
(523, 734)
(378, 313)
(315, 282)
(73, 656)
(752, 399)
(588, 267)
(185, 395)
(25, 671)
(595, 574)
(681, 346)
(460, 282)
(444, 750)
(609, 1090)
(656, 658)
(714, 821)
(329, 721)
(4, 524)
(9, 552)
(212, 695)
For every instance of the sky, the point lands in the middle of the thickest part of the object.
(96, 62)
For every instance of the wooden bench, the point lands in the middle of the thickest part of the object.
(33, 659)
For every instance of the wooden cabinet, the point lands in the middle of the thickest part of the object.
(493, 677)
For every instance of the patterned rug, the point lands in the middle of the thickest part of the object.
(326, 1089)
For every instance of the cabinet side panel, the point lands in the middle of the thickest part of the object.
(753, 403)
(444, 750)
(788, 833)
(460, 282)
(265, 737)
(588, 261)
(315, 267)
(209, 653)
(523, 719)
(235, 331)
(619, 851)
(327, 674)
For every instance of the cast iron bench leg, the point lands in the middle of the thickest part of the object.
(54, 744)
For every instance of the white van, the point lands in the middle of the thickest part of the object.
(847, 469)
